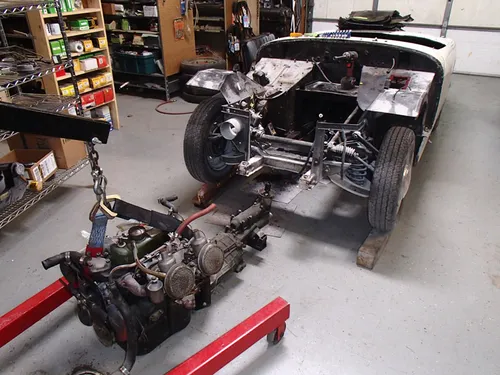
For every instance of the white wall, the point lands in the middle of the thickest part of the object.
(423, 11)
(478, 51)
(483, 13)
(339, 8)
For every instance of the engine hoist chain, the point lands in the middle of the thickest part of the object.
(103, 203)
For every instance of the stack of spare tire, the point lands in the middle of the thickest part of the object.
(188, 70)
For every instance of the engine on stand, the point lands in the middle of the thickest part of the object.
(143, 284)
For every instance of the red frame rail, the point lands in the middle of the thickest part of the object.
(268, 320)
(19, 319)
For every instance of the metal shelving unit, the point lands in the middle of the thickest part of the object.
(132, 79)
(50, 103)
(22, 66)
(19, 6)
(41, 68)
(30, 198)
(6, 134)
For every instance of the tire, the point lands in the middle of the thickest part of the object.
(391, 178)
(195, 99)
(197, 147)
(193, 66)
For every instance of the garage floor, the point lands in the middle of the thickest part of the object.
(430, 306)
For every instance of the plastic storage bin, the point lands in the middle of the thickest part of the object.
(141, 64)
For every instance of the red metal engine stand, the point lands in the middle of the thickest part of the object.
(268, 321)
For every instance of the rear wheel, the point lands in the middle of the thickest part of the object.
(391, 179)
(203, 143)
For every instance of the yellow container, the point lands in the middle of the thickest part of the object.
(109, 77)
(76, 65)
(100, 42)
(87, 45)
(83, 84)
(67, 90)
(95, 82)
(102, 80)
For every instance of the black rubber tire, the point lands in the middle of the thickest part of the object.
(193, 66)
(383, 203)
(195, 141)
(196, 99)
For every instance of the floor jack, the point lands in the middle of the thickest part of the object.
(268, 321)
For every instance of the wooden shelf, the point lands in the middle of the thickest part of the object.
(74, 13)
(76, 33)
(94, 50)
(98, 88)
(133, 31)
(97, 106)
(41, 41)
(80, 73)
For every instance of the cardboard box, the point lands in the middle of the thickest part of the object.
(95, 82)
(83, 84)
(100, 42)
(63, 49)
(79, 25)
(55, 47)
(88, 64)
(108, 94)
(60, 73)
(87, 45)
(40, 164)
(67, 152)
(102, 80)
(103, 112)
(99, 97)
(109, 77)
(76, 65)
(88, 100)
(102, 61)
(150, 10)
(108, 8)
(67, 90)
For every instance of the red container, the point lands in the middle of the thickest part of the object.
(99, 97)
(108, 94)
(60, 73)
(102, 61)
(88, 100)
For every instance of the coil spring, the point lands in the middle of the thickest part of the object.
(350, 151)
(357, 172)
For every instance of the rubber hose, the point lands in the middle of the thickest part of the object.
(128, 318)
(195, 216)
(53, 261)
(157, 109)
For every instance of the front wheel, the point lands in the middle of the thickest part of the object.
(391, 179)
(204, 146)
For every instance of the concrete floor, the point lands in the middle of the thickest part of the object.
(429, 307)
